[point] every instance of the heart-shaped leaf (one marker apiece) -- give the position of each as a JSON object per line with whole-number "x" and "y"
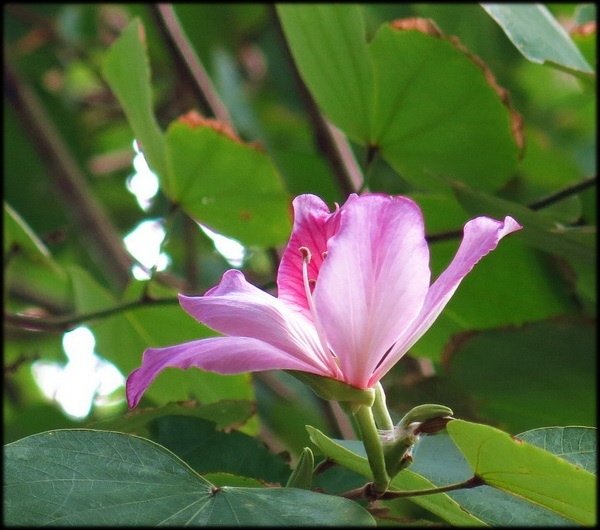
{"x": 85, "y": 478}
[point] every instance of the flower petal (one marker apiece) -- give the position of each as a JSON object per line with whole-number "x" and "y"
{"x": 481, "y": 236}
{"x": 224, "y": 355}
{"x": 238, "y": 308}
{"x": 314, "y": 224}
{"x": 373, "y": 282}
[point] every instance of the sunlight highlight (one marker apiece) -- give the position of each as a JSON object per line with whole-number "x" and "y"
{"x": 85, "y": 380}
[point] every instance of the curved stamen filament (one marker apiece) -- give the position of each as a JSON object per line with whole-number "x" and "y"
{"x": 329, "y": 358}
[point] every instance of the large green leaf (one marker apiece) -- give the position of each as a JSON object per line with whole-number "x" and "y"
{"x": 550, "y": 366}
{"x": 526, "y": 471}
{"x": 230, "y": 186}
{"x": 430, "y": 107}
{"x": 437, "y": 459}
{"x": 127, "y": 71}
{"x": 538, "y": 35}
{"x": 83, "y": 477}
{"x": 435, "y": 116}
{"x": 340, "y": 80}
{"x": 440, "y": 504}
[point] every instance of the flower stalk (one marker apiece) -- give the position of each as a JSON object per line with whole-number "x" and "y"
{"x": 374, "y": 449}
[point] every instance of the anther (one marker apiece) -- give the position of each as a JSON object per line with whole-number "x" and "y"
{"x": 306, "y": 255}
{"x": 324, "y": 254}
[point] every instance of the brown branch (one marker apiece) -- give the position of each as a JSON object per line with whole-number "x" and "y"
{"x": 330, "y": 141}
{"x": 558, "y": 196}
{"x": 367, "y": 491}
{"x": 574, "y": 189}
{"x": 101, "y": 237}
{"x": 177, "y": 38}
{"x": 65, "y": 323}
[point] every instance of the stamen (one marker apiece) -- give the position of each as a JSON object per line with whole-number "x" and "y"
{"x": 306, "y": 255}
{"x": 324, "y": 254}
{"x": 329, "y": 358}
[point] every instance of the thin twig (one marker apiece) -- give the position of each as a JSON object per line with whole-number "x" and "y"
{"x": 64, "y": 323}
{"x": 195, "y": 68}
{"x": 564, "y": 193}
{"x": 558, "y": 196}
{"x": 101, "y": 237}
{"x": 367, "y": 492}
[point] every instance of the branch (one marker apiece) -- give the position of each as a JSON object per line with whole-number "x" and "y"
{"x": 558, "y": 196}
{"x": 330, "y": 141}
{"x": 193, "y": 66}
{"x": 101, "y": 237}
{"x": 564, "y": 193}
{"x": 367, "y": 491}
{"x": 68, "y": 322}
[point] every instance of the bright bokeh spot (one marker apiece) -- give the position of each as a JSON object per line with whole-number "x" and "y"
{"x": 143, "y": 243}
{"x": 83, "y": 381}
{"x": 144, "y": 182}
{"x": 230, "y": 249}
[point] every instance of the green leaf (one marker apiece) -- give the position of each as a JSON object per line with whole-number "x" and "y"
{"x": 437, "y": 459}
{"x": 194, "y": 440}
{"x": 387, "y": 94}
{"x": 18, "y": 235}
{"x": 540, "y": 231}
{"x": 127, "y": 71}
{"x": 578, "y": 445}
{"x": 226, "y": 414}
{"x": 526, "y": 471}
{"x": 538, "y": 36}
{"x": 340, "y": 80}
{"x": 84, "y": 477}
{"x": 29, "y": 267}
{"x": 564, "y": 351}
{"x": 431, "y": 135}
{"x": 232, "y": 187}
{"x": 440, "y": 504}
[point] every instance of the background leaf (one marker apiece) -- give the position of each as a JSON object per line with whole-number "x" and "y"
{"x": 427, "y": 135}
{"x": 538, "y": 36}
{"x": 127, "y": 71}
{"x": 232, "y": 187}
{"x": 578, "y": 445}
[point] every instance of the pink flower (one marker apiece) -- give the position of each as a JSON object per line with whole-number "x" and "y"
{"x": 354, "y": 296}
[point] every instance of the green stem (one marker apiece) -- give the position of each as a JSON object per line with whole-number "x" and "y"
{"x": 373, "y": 447}
{"x": 380, "y": 410}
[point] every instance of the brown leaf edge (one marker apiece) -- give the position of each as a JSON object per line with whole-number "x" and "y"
{"x": 194, "y": 119}
{"x": 429, "y": 27}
